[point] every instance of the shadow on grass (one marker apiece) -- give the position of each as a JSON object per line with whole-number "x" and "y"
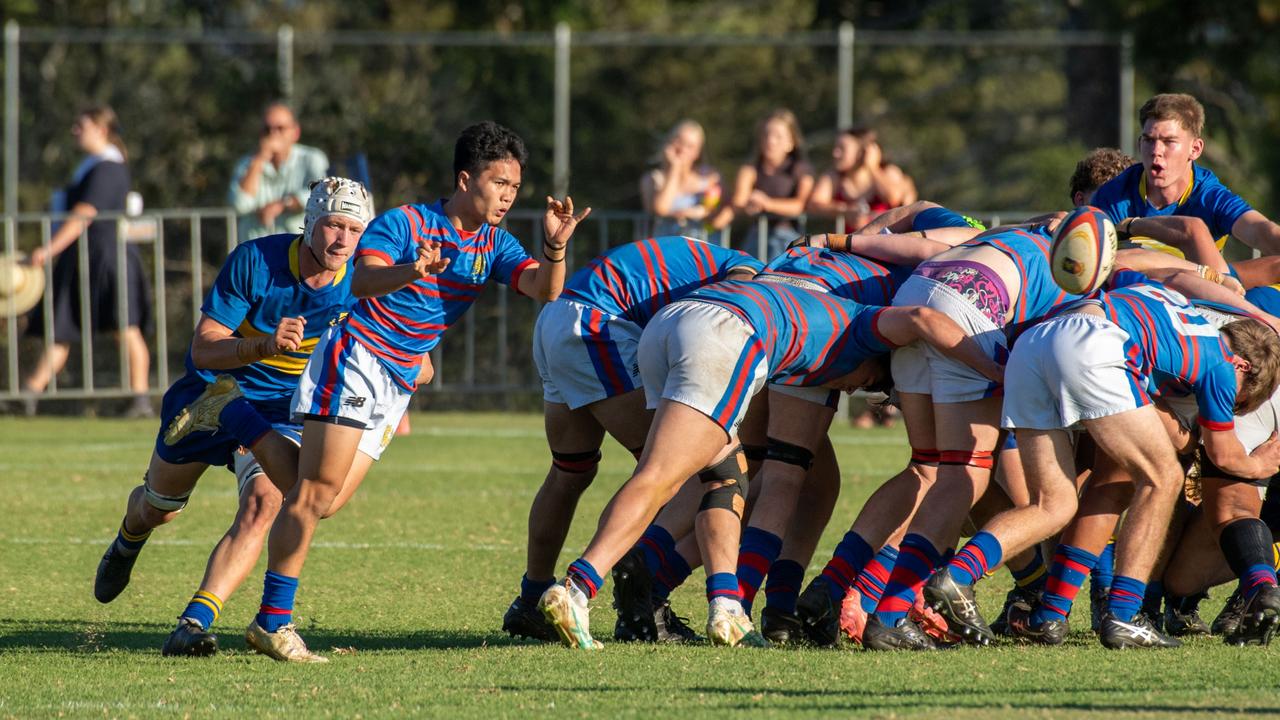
{"x": 83, "y": 636}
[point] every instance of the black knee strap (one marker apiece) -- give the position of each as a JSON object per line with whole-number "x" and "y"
{"x": 731, "y": 494}
{"x": 576, "y": 463}
{"x": 755, "y": 453}
{"x": 785, "y": 452}
{"x": 1246, "y": 543}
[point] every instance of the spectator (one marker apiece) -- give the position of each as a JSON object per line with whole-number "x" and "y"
{"x": 99, "y": 185}
{"x": 683, "y": 190}
{"x": 269, "y": 188}
{"x": 861, "y": 184}
{"x": 775, "y": 184}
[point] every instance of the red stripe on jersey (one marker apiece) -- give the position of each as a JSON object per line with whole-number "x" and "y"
{"x": 1212, "y": 425}
{"x": 368, "y": 252}
{"x": 515, "y": 274}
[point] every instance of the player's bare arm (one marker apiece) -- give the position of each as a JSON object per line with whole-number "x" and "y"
{"x": 1255, "y": 230}
{"x": 908, "y": 249}
{"x": 1188, "y": 234}
{"x": 546, "y": 280}
{"x": 374, "y": 276}
{"x": 1225, "y": 450}
{"x": 215, "y": 347}
{"x": 905, "y": 325}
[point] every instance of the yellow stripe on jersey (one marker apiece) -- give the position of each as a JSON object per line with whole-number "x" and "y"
{"x": 295, "y": 263}
{"x": 1158, "y": 246}
{"x": 293, "y": 362}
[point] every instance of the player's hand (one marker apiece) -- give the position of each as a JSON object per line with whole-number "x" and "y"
{"x": 1269, "y": 452}
{"x": 288, "y": 335}
{"x": 559, "y": 221}
{"x": 38, "y": 257}
{"x": 429, "y": 261}
{"x": 1232, "y": 284}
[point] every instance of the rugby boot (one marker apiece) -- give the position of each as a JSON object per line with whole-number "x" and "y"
{"x": 780, "y": 627}
{"x": 1228, "y": 621}
{"x": 523, "y": 619}
{"x": 285, "y": 644}
{"x": 1097, "y": 606}
{"x": 671, "y": 628}
{"x": 201, "y": 415}
{"x": 853, "y": 619}
{"x": 1182, "y": 616}
{"x": 729, "y": 626}
{"x": 113, "y": 573}
{"x": 958, "y": 606}
{"x": 818, "y": 615}
{"x": 190, "y": 639}
{"x": 1049, "y": 632}
{"x": 1139, "y": 632}
{"x": 904, "y": 636}
{"x": 1258, "y": 619}
{"x": 1019, "y": 598}
{"x": 633, "y": 599}
{"x": 931, "y": 622}
{"x": 565, "y": 607}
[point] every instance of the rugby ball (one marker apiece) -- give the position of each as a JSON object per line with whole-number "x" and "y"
{"x": 1084, "y": 250}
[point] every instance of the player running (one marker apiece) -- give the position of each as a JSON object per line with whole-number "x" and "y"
{"x": 418, "y": 269}
{"x": 585, "y": 345}
{"x": 701, "y": 360}
{"x": 269, "y": 305}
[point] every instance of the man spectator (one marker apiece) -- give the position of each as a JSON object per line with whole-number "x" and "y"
{"x": 269, "y": 188}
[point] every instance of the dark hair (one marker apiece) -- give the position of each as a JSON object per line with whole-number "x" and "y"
{"x": 1099, "y": 166}
{"x": 486, "y": 142}
{"x": 105, "y": 117}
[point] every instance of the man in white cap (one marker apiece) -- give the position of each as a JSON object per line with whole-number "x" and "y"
{"x": 267, "y": 308}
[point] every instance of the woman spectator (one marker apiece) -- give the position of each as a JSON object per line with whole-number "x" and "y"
{"x": 775, "y": 184}
{"x": 861, "y": 184}
{"x": 99, "y": 184}
{"x": 683, "y": 190}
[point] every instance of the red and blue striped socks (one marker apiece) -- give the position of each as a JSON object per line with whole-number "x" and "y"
{"x": 782, "y": 589}
{"x": 851, "y": 556}
{"x": 723, "y": 585}
{"x": 755, "y": 556}
{"x": 1070, "y": 567}
{"x": 875, "y": 576}
{"x": 668, "y": 568}
{"x": 917, "y": 557}
{"x": 1125, "y": 599}
{"x": 978, "y": 556}
{"x": 584, "y": 575}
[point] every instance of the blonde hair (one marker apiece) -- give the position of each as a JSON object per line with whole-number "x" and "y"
{"x": 679, "y": 128}
{"x": 104, "y": 117}
{"x": 1257, "y": 344}
{"x": 1174, "y": 106}
{"x": 788, "y": 118}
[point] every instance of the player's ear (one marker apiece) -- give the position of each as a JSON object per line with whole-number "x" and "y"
{"x": 1197, "y": 147}
{"x": 1241, "y": 364}
{"x": 464, "y": 181}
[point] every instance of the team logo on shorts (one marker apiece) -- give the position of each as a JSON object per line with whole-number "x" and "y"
{"x": 354, "y": 401}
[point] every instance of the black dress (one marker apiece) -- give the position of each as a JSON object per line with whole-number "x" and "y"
{"x": 104, "y": 187}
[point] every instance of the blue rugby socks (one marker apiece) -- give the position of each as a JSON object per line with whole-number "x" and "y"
{"x": 979, "y": 555}
{"x": 873, "y": 578}
{"x": 276, "y": 610}
{"x": 917, "y": 557}
{"x": 531, "y": 590}
{"x": 584, "y": 575}
{"x": 758, "y": 551}
{"x": 851, "y": 556}
{"x": 1125, "y": 599}
{"x": 204, "y": 608}
{"x": 1070, "y": 567}
{"x": 782, "y": 589}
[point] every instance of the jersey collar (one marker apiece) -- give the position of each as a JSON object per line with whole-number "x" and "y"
{"x": 1142, "y": 187}
{"x": 295, "y": 263}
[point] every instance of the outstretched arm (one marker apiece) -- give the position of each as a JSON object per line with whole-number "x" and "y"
{"x": 905, "y": 325}
{"x": 374, "y": 276}
{"x": 546, "y": 279}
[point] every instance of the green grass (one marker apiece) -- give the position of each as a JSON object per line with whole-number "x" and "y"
{"x": 410, "y": 581}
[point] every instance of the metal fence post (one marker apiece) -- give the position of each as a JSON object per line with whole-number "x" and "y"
{"x": 844, "y": 62}
{"x": 11, "y": 39}
{"x": 1127, "y": 111}
{"x": 284, "y": 60}
{"x": 560, "y": 154}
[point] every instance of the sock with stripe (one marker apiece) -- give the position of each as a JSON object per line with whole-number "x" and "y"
{"x": 1247, "y": 547}
{"x": 130, "y": 543}
{"x": 243, "y": 422}
{"x": 723, "y": 585}
{"x": 782, "y": 588}
{"x": 875, "y": 576}
{"x": 758, "y": 551}
{"x": 1070, "y": 566}
{"x": 980, "y": 554}
{"x": 584, "y": 575}
{"x": 276, "y": 610}
{"x": 204, "y": 608}
{"x": 917, "y": 557}
{"x": 672, "y": 575}
{"x": 1031, "y": 577}
{"x": 1105, "y": 569}
{"x": 1125, "y": 599}
{"x": 531, "y": 590}
{"x": 851, "y": 556}
{"x": 658, "y": 547}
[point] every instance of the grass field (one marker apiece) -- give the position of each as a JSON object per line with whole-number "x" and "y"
{"x": 406, "y": 587}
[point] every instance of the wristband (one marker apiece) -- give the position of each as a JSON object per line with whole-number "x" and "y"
{"x": 1124, "y": 229}
{"x": 1210, "y": 274}
{"x": 552, "y": 261}
{"x": 838, "y": 243}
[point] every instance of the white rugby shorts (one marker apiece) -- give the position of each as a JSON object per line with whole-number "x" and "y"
{"x": 584, "y": 355}
{"x": 920, "y": 368}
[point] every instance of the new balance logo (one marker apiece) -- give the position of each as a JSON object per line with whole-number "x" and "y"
{"x": 354, "y": 401}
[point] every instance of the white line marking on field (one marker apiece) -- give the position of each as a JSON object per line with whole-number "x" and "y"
{"x": 327, "y": 544}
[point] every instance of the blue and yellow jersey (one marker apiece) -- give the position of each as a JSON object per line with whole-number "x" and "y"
{"x": 635, "y": 280}
{"x": 1206, "y": 198}
{"x": 846, "y": 275}
{"x": 402, "y": 326}
{"x": 259, "y": 285}
{"x": 809, "y": 337}
{"x": 1040, "y": 295}
{"x": 1172, "y": 348}
{"x": 1266, "y": 297}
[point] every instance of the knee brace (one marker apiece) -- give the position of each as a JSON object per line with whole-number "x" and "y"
{"x": 972, "y": 458}
{"x": 163, "y": 503}
{"x": 731, "y": 494}
{"x": 755, "y": 453}
{"x": 576, "y": 463}
{"x": 785, "y": 452}
{"x": 925, "y": 456}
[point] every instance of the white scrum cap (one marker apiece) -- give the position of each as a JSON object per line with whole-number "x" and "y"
{"x": 337, "y": 196}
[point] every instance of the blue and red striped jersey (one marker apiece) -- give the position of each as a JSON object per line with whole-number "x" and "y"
{"x": 1172, "y": 347}
{"x": 635, "y": 280}
{"x": 1040, "y": 295}
{"x": 811, "y": 337}
{"x": 849, "y": 276}
{"x": 401, "y": 326}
